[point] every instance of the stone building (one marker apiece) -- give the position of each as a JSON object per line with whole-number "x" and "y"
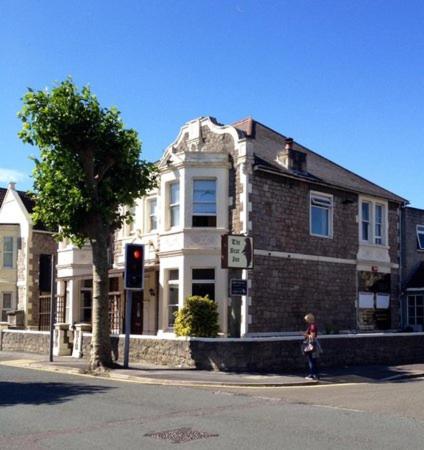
{"x": 325, "y": 239}
{"x": 412, "y": 228}
{"x": 25, "y": 270}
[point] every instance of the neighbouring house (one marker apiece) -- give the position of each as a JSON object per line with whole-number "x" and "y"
{"x": 25, "y": 266}
{"x": 325, "y": 239}
{"x": 412, "y": 229}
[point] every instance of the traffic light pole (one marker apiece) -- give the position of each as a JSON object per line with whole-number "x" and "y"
{"x": 128, "y": 310}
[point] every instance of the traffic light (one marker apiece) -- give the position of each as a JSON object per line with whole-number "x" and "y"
{"x": 134, "y": 266}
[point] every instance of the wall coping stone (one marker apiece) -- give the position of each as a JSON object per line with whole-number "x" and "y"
{"x": 266, "y": 339}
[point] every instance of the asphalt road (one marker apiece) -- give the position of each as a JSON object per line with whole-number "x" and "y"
{"x": 42, "y": 410}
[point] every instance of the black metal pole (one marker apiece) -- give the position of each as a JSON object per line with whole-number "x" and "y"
{"x": 128, "y": 310}
{"x": 52, "y": 307}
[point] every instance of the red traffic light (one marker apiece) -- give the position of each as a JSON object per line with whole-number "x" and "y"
{"x": 137, "y": 254}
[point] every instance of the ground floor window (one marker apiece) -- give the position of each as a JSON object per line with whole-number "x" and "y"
{"x": 203, "y": 283}
{"x": 6, "y": 305}
{"x": 173, "y": 287}
{"x": 416, "y": 309}
{"x": 86, "y": 300}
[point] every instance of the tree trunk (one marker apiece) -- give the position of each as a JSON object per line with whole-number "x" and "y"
{"x": 100, "y": 341}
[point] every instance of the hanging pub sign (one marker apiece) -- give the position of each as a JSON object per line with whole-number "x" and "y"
{"x": 236, "y": 252}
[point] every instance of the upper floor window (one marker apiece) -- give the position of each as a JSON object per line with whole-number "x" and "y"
{"x": 152, "y": 214}
{"x": 373, "y": 222}
{"x": 420, "y": 236}
{"x": 174, "y": 204}
{"x": 204, "y": 203}
{"x": 131, "y": 225}
{"x": 8, "y": 251}
{"x": 321, "y": 214}
{"x": 365, "y": 221}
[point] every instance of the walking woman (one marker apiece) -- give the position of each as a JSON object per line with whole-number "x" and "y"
{"x": 311, "y": 349}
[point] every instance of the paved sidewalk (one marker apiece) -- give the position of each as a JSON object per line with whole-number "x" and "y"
{"x": 153, "y": 374}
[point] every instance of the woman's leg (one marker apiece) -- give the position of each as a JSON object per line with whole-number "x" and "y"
{"x": 312, "y": 365}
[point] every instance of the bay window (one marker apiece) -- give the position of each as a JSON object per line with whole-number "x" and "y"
{"x": 204, "y": 203}
{"x": 174, "y": 204}
{"x": 373, "y": 222}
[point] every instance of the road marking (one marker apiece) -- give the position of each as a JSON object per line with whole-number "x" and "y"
{"x": 32, "y": 365}
{"x": 16, "y": 362}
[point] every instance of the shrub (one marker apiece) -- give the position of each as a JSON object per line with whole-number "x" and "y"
{"x": 198, "y": 318}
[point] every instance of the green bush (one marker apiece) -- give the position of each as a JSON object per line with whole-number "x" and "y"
{"x": 198, "y": 318}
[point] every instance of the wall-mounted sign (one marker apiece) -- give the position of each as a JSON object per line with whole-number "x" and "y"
{"x": 238, "y": 287}
{"x": 236, "y": 252}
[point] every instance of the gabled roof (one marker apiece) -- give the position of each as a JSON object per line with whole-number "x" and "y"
{"x": 417, "y": 279}
{"x": 319, "y": 169}
{"x": 28, "y": 202}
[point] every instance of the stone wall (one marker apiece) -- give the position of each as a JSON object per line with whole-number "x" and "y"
{"x": 285, "y": 289}
{"x": 411, "y": 255}
{"x": 42, "y": 244}
{"x": 274, "y": 354}
{"x": 24, "y": 341}
{"x": 270, "y": 354}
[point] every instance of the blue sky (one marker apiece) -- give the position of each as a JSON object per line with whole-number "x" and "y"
{"x": 343, "y": 77}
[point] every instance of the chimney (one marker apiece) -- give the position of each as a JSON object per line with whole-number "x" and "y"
{"x": 12, "y": 186}
{"x": 292, "y": 159}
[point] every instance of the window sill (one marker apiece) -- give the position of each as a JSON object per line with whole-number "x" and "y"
{"x": 321, "y": 236}
{"x": 369, "y": 244}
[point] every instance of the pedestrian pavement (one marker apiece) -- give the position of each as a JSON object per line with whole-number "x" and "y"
{"x": 153, "y": 374}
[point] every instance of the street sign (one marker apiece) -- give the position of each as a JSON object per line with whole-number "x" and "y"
{"x": 236, "y": 252}
{"x": 238, "y": 287}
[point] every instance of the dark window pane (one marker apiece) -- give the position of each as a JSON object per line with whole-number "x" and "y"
{"x": 204, "y": 221}
{"x": 203, "y": 274}
{"x": 204, "y": 289}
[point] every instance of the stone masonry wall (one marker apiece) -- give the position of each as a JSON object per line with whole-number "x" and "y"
{"x": 269, "y": 354}
{"x": 42, "y": 243}
{"x": 254, "y": 355}
{"x": 412, "y": 256}
{"x": 284, "y": 289}
{"x": 25, "y": 341}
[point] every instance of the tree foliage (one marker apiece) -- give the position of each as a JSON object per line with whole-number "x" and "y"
{"x": 198, "y": 318}
{"x": 89, "y": 163}
{"x": 88, "y": 168}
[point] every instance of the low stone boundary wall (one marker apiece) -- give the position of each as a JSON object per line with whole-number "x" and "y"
{"x": 24, "y": 341}
{"x": 272, "y": 354}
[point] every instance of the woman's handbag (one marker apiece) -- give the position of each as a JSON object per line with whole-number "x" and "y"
{"x": 307, "y": 346}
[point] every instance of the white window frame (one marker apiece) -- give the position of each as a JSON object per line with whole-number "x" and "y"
{"x": 420, "y": 231}
{"x": 204, "y": 214}
{"x": 81, "y": 305}
{"x": 410, "y": 297}
{"x": 374, "y": 238}
{"x": 3, "y": 307}
{"x": 175, "y": 205}
{"x": 150, "y": 214}
{"x": 9, "y": 252}
{"x": 323, "y": 197}
{"x": 364, "y": 221}
{"x": 131, "y": 226}
{"x": 171, "y": 306}
{"x": 204, "y": 281}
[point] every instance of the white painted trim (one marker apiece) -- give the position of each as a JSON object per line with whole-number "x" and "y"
{"x": 415, "y": 289}
{"x": 301, "y": 256}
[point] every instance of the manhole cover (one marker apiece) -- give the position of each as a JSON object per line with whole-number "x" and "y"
{"x": 180, "y": 435}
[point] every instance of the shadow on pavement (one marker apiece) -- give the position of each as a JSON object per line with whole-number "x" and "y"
{"x": 12, "y": 393}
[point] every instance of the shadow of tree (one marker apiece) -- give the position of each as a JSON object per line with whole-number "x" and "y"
{"x": 12, "y": 393}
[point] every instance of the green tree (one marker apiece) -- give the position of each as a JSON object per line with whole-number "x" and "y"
{"x": 89, "y": 166}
